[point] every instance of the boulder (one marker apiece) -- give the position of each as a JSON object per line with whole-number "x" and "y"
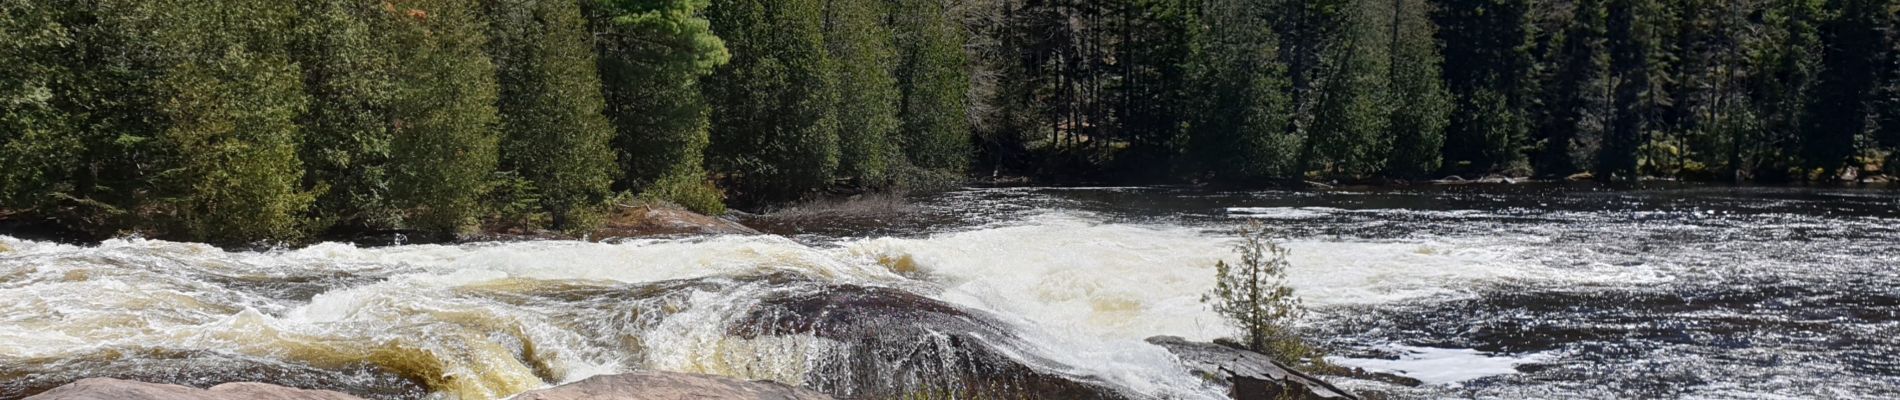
{"x": 670, "y": 386}
{"x": 114, "y": 389}
{"x": 1250, "y": 375}
{"x": 662, "y": 220}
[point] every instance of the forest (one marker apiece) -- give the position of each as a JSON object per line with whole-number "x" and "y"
{"x": 235, "y": 121}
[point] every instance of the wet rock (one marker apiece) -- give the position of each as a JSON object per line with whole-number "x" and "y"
{"x": 663, "y": 220}
{"x": 114, "y": 389}
{"x": 892, "y": 344}
{"x": 1250, "y": 375}
{"x": 670, "y": 386}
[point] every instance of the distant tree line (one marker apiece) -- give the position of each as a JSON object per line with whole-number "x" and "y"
{"x": 1276, "y": 90}
{"x": 241, "y": 120}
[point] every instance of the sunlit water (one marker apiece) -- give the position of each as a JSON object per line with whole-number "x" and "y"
{"x": 1513, "y": 292}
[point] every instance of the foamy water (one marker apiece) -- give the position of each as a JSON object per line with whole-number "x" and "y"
{"x": 1081, "y": 288}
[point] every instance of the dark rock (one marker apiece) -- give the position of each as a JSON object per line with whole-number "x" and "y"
{"x": 670, "y": 386}
{"x": 901, "y": 345}
{"x": 114, "y": 389}
{"x": 1252, "y": 376}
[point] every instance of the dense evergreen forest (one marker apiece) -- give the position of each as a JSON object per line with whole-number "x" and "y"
{"x": 240, "y": 120}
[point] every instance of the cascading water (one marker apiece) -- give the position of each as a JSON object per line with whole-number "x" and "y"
{"x": 1643, "y": 295}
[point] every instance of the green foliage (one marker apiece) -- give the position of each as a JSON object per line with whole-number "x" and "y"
{"x": 689, "y": 189}
{"x": 652, "y": 54}
{"x": 37, "y": 148}
{"x": 1489, "y": 69}
{"x": 554, "y": 134}
{"x": 1240, "y": 132}
{"x": 1856, "y": 54}
{"x": 224, "y": 164}
{"x": 1253, "y": 296}
{"x": 1421, "y": 105}
{"x": 347, "y": 132}
{"x": 859, "y": 44}
{"x": 443, "y": 115}
{"x": 1348, "y": 136}
{"x": 933, "y": 82}
{"x": 1576, "y": 98}
{"x": 774, "y": 132}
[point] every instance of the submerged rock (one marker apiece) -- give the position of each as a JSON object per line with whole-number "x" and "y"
{"x": 1250, "y": 375}
{"x": 670, "y": 386}
{"x": 114, "y": 389}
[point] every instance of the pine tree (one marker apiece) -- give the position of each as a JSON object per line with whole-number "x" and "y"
{"x": 1240, "y": 132}
{"x": 1421, "y": 106}
{"x": 1576, "y": 99}
{"x": 346, "y": 131}
{"x": 554, "y": 135}
{"x": 1489, "y": 70}
{"x": 774, "y": 133}
{"x": 39, "y": 152}
{"x": 933, "y": 84}
{"x": 859, "y": 45}
{"x": 227, "y": 169}
{"x": 1631, "y": 45}
{"x": 443, "y": 116}
{"x": 1787, "y": 65}
{"x": 1348, "y": 135}
{"x": 652, "y": 54}
{"x": 1854, "y": 53}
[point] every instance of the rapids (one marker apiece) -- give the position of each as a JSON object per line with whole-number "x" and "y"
{"x": 1512, "y": 292}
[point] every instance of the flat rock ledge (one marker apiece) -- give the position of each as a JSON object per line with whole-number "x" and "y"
{"x": 670, "y": 386}
{"x": 629, "y": 386}
{"x": 115, "y": 389}
{"x": 1249, "y": 375}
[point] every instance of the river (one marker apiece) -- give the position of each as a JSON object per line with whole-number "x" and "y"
{"x": 1526, "y": 291}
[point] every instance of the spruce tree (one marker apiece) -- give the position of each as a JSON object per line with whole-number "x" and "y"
{"x": 1786, "y": 67}
{"x": 1853, "y": 56}
{"x": 1576, "y": 98}
{"x": 226, "y": 169}
{"x": 1348, "y": 133}
{"x": 859, "y": 45}
{"x": 1421, "y": 105}
{"x": 443, "y": 116}
{"x": 933, "y": 85}
{"x": 1631, "y": 45}
{"x": 774, "y": 133}
{"x": 1489, "y": 70}
{"x": 553, "y": 133}
{"x": 1239, "y": 132}
{"x": 346, "y": 131}
{"x": 652, "y": 54}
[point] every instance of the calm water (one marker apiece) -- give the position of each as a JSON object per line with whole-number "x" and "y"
{"x": 1492, "y": 292}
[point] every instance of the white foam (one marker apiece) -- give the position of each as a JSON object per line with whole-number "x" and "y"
{"x": 1439, "y": 366}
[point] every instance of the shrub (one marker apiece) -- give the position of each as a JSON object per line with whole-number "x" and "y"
{"x": 1254, "y": 296}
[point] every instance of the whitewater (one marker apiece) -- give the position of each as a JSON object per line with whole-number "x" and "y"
{"x": 1077, "y": 277}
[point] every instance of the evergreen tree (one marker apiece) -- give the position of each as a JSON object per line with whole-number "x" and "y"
{"x": 226, "y": 168}
{"x": 1489, "y": 70}
{"x": 1576, "y": 99}
{"x": 1853, "y": 54}
{"x": 1787, "y": 64}
{"x": 346, "y": 131}
{"x": 1421, "y": 104}
{"x": 773, "y": 130}
{"x": 652, "y": 54}
{"x": 39, "y": 152}
{"x": 859, "y": 44}
{"x": 554, "y": 135}
{"x": 1155, "y": 100}
{"x": 1630, "y": 66}
{"x": 1348, "y": 134}
{"x": 443, "y": 117}
{"x": 933, "y": 83}
{"x": 1239, "y": 133}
